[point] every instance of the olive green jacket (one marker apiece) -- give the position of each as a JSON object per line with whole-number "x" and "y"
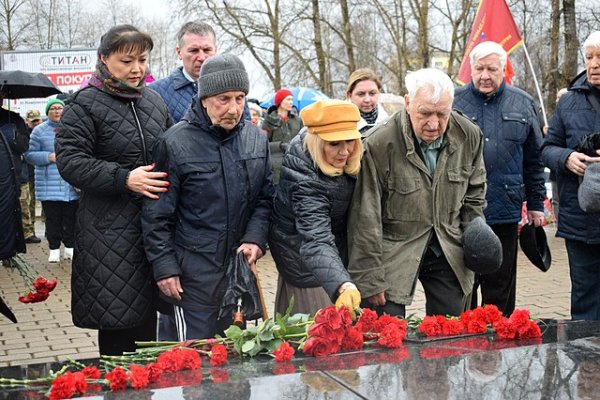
{"x": 397, "y": 203}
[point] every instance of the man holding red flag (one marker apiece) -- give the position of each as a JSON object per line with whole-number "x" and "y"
{"x": 515, "y": 173}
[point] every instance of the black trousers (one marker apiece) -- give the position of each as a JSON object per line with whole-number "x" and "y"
{"x": 500, "y": 288}
{"x": 443, "y": 293}
{"x": 114, "y": 342}
{"x": 60, "y": 222}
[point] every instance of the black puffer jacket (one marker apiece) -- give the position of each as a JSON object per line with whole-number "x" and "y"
{"x": 308, "y": 229}
{"x": 220, "y": 196}
{"x": 99, "y": 141}
{"x": 11, "y": 233}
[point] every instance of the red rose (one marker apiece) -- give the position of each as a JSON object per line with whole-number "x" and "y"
{"x": 330, "y": 316}
{"x": 117, "y": 379}
{"x": 91, "y": 372}
{"x": 504, "y": 329}
{"x": 219, "y": 375}
{"x": 321, "y": 330}
{"x": 319, "y": 346}
{"x": 391, "y": 336}
{"x": 430, "y": 326}
{"x": 284, "y": 118}
{"x": 63, "y": 387}
{"x": 492, "y": 313}
{"x": 285, "y": 352}
{"x": 353, "y": 340}
{"x": 345, "y": 316}
{"x": 218, "y": 355}
{"x": 452, "y": 326}
{"x": 367, "y": 319}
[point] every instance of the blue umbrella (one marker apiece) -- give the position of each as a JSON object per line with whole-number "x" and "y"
{"x": 303, "y": 96}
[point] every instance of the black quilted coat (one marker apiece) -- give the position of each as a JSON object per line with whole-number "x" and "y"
{"x": 308, "y": 229}
{"x": 102, "y": 138}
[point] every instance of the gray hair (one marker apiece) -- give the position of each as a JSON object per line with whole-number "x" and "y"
{"x": 592, "y": 41}
{"x": 432, "y": 79}
{"x": 485, "y": 49}
{"x": 197, "y": 28}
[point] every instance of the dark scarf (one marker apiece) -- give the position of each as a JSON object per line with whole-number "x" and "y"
{"x": 103, "y": 80}
{"x": 370, "y": 117}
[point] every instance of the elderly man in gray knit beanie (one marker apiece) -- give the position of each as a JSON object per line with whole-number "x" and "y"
{"x": 218, "y": 202}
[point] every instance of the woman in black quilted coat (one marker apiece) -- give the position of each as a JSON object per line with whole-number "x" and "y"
{"x": 308, "y": 231}
{"x": 103, "y": 148}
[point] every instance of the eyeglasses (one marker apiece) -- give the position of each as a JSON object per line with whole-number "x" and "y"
{"x": 55, "y": 108}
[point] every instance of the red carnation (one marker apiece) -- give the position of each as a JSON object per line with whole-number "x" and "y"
{"x": 466, "y": 317}
{"x": 44, "y": 284}
{"x": 80, "y": 382}
{"x": 386, "y": 320}
{"x": 519, "y": 319}
{"x": 91, "y": 372}
{"x": 391, "y": 336}
{"x": 477, "y": 325}
{"x": 367, "y": 320}
{"x": 531, "y": 331}
{"x": 285, "y": 352}
{"x": 219, "y": 375}
{"x": 353, "y": 340}
{"x": 139, "y": 376}
{"x": 430, "y": 326}
{"x": 63, "y": 387}
{"x": 504, "y": 329}
{"x": 452, "y": 326}
{"x": 189, "y": 359}
{"x": 330, "y": 316}
{"x": 492, "y": 313}
{"x": 117, "y": 379}
{"x": 282, "y": 368}
{"x": 318, "y": 346}
{"x": 154, "y": 371}
{"x": 218, "y": 355}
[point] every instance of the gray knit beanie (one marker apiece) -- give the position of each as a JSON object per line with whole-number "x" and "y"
{"x": 222, "y": 73}
{"x": 588, "y": 193}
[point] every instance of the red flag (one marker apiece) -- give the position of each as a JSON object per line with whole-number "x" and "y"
{"x": 494, "y": 22}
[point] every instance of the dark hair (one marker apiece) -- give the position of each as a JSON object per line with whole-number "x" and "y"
{"x": 124, "y": 38}
{"x": 197, "y": 28}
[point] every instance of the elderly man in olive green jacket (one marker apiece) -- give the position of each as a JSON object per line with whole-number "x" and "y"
{"x": 422, "y": 181}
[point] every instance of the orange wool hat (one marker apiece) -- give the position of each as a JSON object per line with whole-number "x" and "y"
{"x": 333, "y": 120}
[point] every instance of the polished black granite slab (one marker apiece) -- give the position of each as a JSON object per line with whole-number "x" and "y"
{"x": 563, "y": 364}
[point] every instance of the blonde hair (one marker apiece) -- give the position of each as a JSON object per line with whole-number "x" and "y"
{"x": 314, "y": 145}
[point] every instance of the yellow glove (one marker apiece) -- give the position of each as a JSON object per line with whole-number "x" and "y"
{"x": 350, "y": 297}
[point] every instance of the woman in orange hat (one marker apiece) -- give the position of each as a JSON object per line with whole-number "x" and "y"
{"x": 308, "y": 233}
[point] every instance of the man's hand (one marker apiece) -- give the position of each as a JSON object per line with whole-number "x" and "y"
{"x": 578, "y": 162}
{"x": 252, "y": 253}
{"x": 377, "y": 299}
{"x": 536, "y": 218}
{"x": 170, "y": 287}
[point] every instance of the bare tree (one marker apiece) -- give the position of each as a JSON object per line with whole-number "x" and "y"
{"x": 571, "y": 42}
{"x": 12, "y": 27}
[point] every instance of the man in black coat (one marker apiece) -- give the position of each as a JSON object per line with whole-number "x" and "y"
{"x": 218, "y": 203}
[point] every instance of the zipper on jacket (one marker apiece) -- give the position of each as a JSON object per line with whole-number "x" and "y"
{"x": 141, "y": 133}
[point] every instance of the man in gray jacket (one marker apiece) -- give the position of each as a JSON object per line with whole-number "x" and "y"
{"x": 422, "y": 181}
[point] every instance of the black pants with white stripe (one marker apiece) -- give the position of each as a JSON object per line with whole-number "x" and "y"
{"x": 196, "y": 324}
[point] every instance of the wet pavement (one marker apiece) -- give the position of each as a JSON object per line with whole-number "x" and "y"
{"x": 45, "y": 332}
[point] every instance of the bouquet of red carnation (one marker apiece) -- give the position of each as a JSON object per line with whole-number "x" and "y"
{"x": 41, "y": 287}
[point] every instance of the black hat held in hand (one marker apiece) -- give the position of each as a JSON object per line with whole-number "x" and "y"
{"x": 482, "y": 248}
{"x": 534, "y": 244}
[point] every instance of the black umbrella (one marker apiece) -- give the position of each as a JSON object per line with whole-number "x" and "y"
{"x": 6, "y": 311}
{"x": 24, "y": 85}
{"x": 241, "y": 284}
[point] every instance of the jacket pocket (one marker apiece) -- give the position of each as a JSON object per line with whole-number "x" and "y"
{"x": 514, "y": 127}
{"x": 403, "y": 199}
{"x": 458, "y": 179}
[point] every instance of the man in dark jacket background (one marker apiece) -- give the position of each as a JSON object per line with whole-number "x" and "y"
{"x": 508, "y": 118}
{"x": 218, "y": 203}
